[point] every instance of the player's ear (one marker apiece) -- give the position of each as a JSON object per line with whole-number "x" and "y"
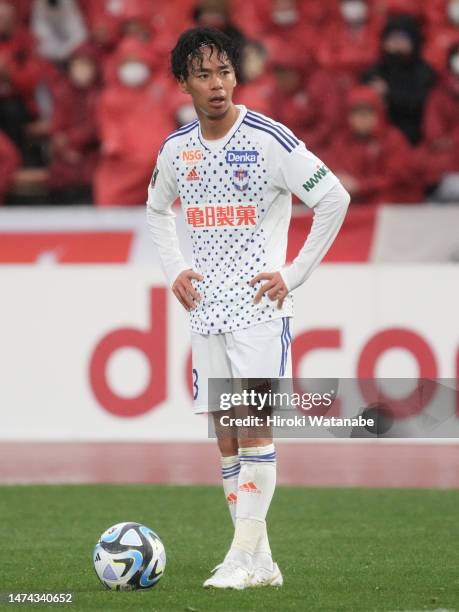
{"x": 183, "y": 86}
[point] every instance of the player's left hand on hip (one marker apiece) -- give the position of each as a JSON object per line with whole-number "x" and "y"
{"x": 274, "y": 287}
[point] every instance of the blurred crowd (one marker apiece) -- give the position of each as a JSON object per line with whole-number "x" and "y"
{"x": 86, "y": 96}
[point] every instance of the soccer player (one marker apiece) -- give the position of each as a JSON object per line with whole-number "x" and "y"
{"x": 235, "y": 171}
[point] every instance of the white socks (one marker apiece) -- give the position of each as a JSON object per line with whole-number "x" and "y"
{"x": 249, "y": 482}
{"x": 230, "y": 474}
{"x": 257, "y": 481}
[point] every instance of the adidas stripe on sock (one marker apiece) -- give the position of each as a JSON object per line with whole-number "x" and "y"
{"x": 230, "y": 474}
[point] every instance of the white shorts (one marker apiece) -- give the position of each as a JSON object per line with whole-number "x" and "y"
{"x": 260, "y": 351}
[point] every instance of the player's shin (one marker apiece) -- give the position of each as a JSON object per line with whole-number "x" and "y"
{"x": 256, "y": 484}
{"x": 230, "y": 474}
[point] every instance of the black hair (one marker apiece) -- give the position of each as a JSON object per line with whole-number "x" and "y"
{"x": 190, "y": 47}
{"x": 407, "y": 24}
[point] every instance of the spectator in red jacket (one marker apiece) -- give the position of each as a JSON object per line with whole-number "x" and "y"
{"x": 442, "y": 31}
{"x": 350, "y": 42}
{"x": 216, "y": 14}
{"x": 23, "y": 10}
{"x": 256, "y": 83}
{"x": 441, "y": 126}
{"x": 97, "y": 10}
{"x": 306, "y": 100}
{"x": 157, "y": 20}
{"x": 287, "y": 24}
{"x": 10, "y": 162}
{"x": 137, "y": 19}
{"x": 166, "y": 19}
{"x": 133, "y": 123}
{"x": 74, "y": 140}
{"x": 404, "y": 7}
{"x": 104, "y": 36}
{"x": 371, "y": 158}
{"x": 20, "y": 73}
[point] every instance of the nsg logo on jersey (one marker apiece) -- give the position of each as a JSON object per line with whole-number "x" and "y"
{"x": 241, "y": 157}
{"x": 191, "y": 156}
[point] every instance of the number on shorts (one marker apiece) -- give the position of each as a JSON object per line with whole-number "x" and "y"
{"x": 195, "y": 384}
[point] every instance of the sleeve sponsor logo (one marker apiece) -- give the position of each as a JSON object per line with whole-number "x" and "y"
{"x": 315, "y": 179}
{"x": 241, "y": 157}
{"x": 154, "y": 176}
{"x": 191, "y": 156}
{"x": 231, "y": 215}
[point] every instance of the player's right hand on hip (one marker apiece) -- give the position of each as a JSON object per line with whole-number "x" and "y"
{"x": 184, "y": 291}
{"x": 275, "y": 287}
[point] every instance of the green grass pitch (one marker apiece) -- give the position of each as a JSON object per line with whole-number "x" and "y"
{"x": 339, "y": 549}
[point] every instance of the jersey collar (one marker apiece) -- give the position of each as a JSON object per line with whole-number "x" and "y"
{"x": 221, "y": 143}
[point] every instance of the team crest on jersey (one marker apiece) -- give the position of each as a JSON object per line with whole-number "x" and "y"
{"x": 193, "y": 175}
{"x": 191, "y": 156}
{"x": 241, "y": 179}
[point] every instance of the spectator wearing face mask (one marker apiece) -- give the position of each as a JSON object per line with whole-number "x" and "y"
{"x": 74, "y": 142}
{"x": 402, "y": 76}
{"x": 10, "y": 162}
{"x": 442, "y": 31}
{"x": 133, "y": 119}
{"x": 59, "y": 28}
{"x": 306, "y": 100}
{"x": 370, "y": 157}
{"x": 256, "y": 84}
{"x": 350, "y": 43}
{"x": 441, "y": 129}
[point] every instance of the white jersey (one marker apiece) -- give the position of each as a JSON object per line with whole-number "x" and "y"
{"x": 236, "y": 199}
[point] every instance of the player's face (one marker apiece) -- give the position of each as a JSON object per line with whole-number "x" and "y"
{"x": 210, "y": 83}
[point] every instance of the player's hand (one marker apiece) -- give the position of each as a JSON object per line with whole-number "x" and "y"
{"x": 275, "y": 287}
{"x": 184, "y": 291}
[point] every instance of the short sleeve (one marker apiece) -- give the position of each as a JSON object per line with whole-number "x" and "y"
{"x": 162, "y": 190}
{"x": 302, "y": 173}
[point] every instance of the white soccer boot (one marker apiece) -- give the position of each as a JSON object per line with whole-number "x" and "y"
{"x": 228, "y": 575}
{"x": 262, "y": 576}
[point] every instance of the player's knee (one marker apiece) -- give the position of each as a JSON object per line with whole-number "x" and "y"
{"x": 228, "y": 446}
{"x": 247, "y": 442}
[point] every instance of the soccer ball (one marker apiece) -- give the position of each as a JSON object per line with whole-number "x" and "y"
{"x": 129, "y": 556}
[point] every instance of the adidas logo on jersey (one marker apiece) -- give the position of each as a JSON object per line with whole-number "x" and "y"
{"x": 249, "y": 487}
{"x": 193, "y": 175}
